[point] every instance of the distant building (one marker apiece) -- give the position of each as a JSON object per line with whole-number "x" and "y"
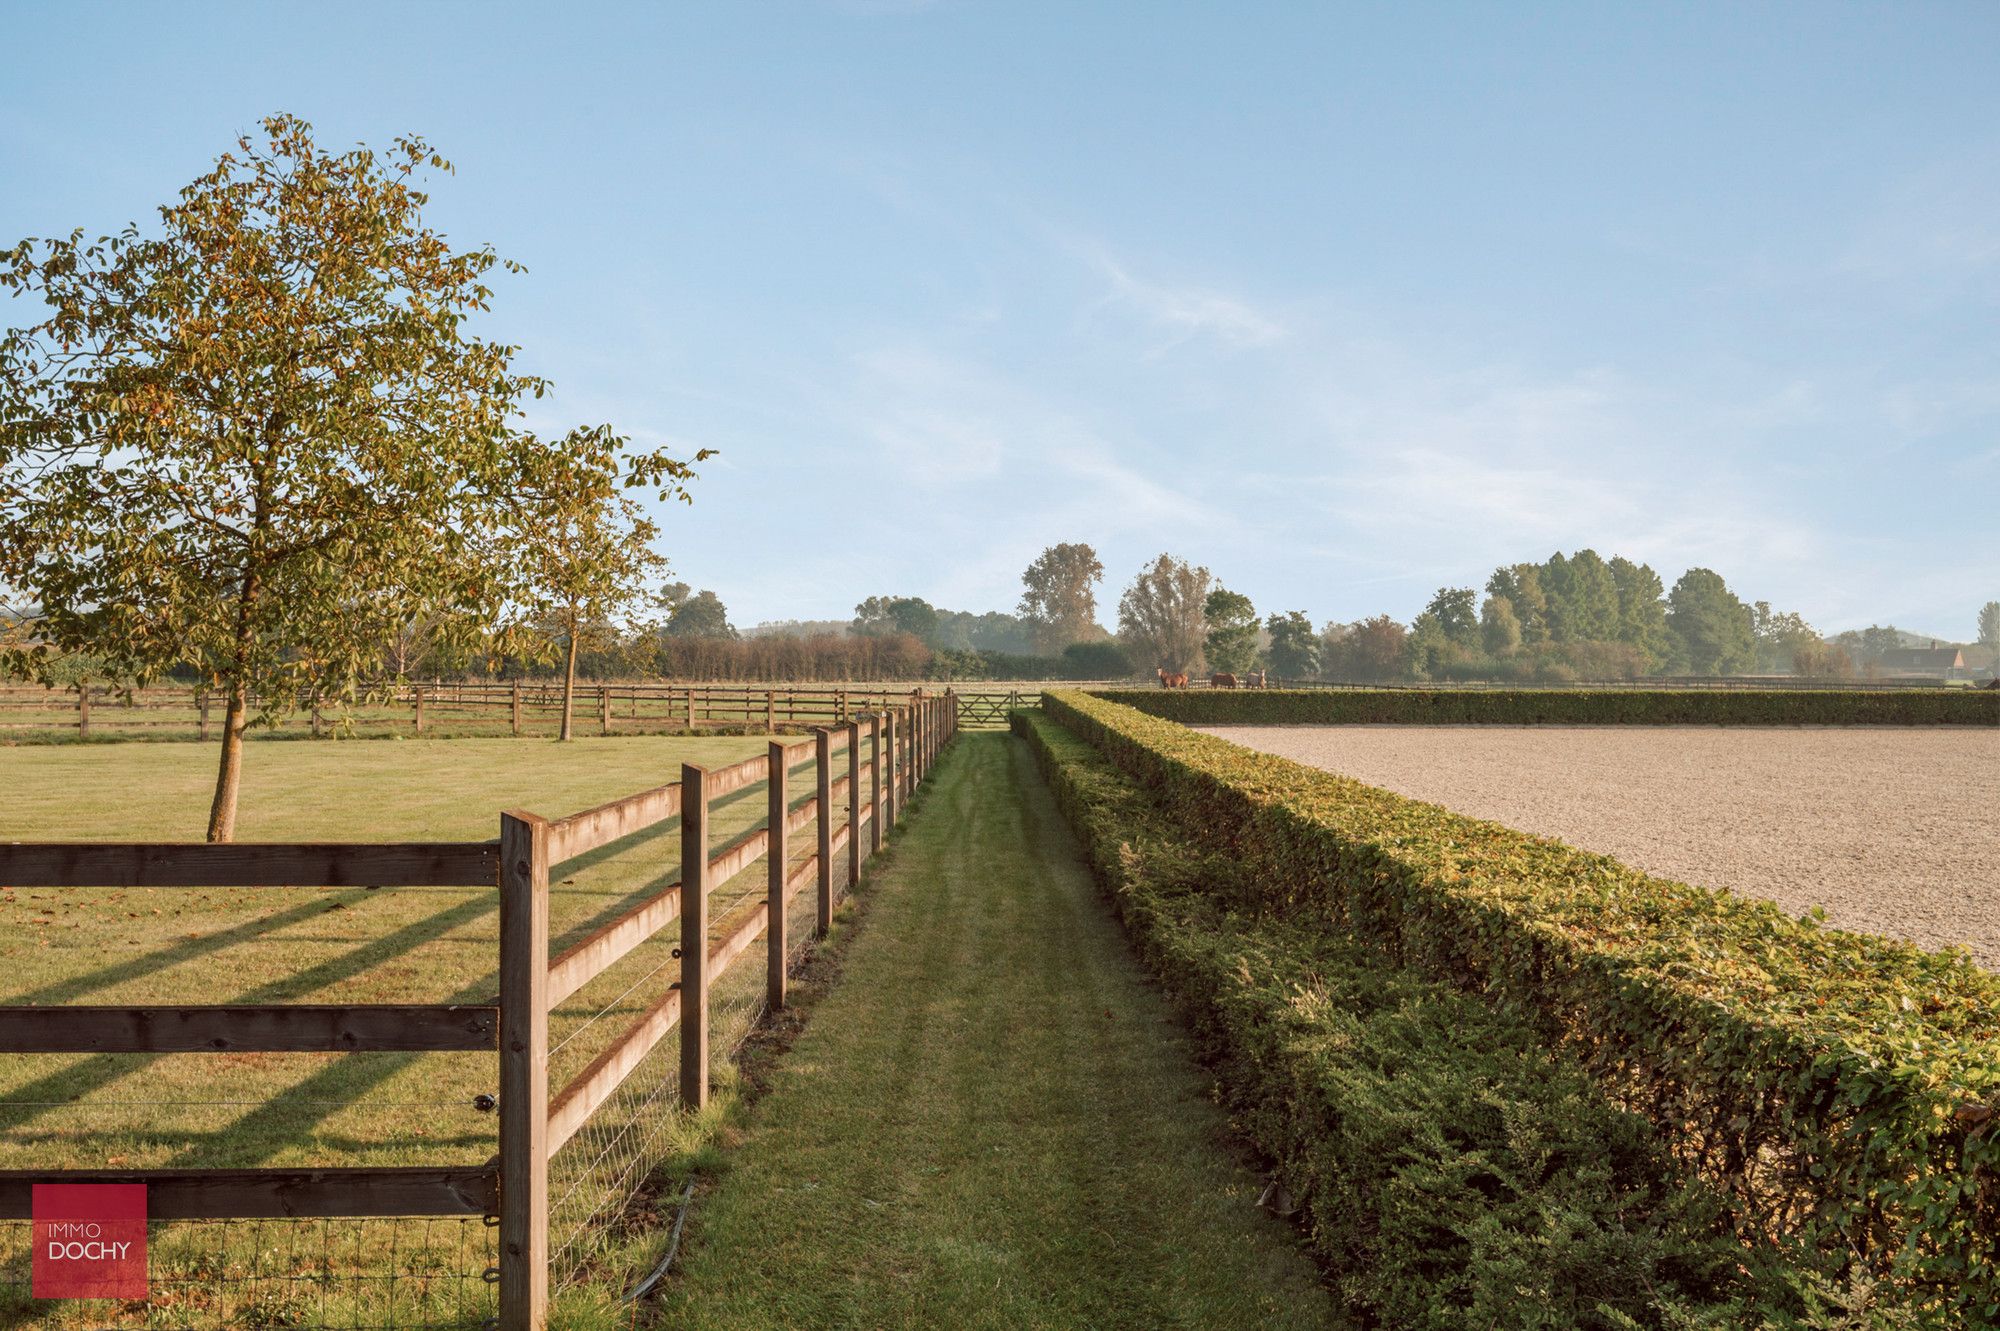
{"x": 1932, "y": 662}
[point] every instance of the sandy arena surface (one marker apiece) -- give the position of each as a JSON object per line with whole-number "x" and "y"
{"x": 1892, "y": 831}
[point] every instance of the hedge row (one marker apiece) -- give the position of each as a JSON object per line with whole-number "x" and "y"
{"x": 1448, "y": 1169}
{"x": 1577, "y": 707}
{"x": 1839, "y": 1089}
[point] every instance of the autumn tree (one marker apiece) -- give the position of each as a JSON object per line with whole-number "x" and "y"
{"x": 1059, "y": 599}
{"x": 1521, "y": 585}
{"x": 1160, "y": 615}
{"x": 1782, "y": 638}
{"x": 1231, "y": 641}
{"x": 251, "y": 439}
{"x": 1368, "y": 649}
{"x": 584, "y": 552}
{"x": 1499, "y": 628}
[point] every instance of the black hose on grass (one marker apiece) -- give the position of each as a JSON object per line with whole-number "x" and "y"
{"x": 673, "y": 1246}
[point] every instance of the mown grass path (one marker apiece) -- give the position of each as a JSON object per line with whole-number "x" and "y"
{"x": 992, "y": 1120}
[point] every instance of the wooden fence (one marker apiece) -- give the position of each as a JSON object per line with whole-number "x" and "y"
{"x": 506, "y": 707}
{"x": 905, "y": 741}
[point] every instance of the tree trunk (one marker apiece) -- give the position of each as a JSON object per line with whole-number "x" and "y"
{"x": 229, "y": 772}
{"x": 569, "y": 684}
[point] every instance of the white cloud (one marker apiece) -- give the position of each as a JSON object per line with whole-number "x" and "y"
{"x": 1178, "y": 314}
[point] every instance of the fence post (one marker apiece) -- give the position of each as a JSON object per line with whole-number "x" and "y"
{"x": 770, "y": 711}
{"x": 603, "y": 709}
{"x": 201, "y": 710}
{"x": 517, "y": 707}
{"x": 778, "y": 808}
{"x": 823, "y": 754}
{"x": 83, "y": 709}
{"x": 906, "y": 734}
{"x": 853, "y": 805}
{"x": 890, "y": 776}
{"x": 694, "y": 936}
{"x": 690, "y": 709}
{"x": 524, "y": 1072}
{"x": 874, "y": 783}
{"x": 418, "y": 692}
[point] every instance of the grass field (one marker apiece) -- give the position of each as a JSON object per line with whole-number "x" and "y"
{"x": 992, "y": 1121}
{"x": 276, "y": 944}
{"x": 279, "y": 944}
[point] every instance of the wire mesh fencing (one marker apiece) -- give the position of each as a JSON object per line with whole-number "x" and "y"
{"x": 410, "y": 1274}
{"x": 608, "y": 1202}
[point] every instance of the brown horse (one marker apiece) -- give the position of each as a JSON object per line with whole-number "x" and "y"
{"x": 1172, "y": 681}
{"x": 1221, "y": 680}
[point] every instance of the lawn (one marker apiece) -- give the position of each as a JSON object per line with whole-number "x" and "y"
{"x": 992, "y": 1121}
{"x": 278, "y": 944}
{"x": 275, "y": 944}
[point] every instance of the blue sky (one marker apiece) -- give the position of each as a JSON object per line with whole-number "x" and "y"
{"x": 1343, "y": 302}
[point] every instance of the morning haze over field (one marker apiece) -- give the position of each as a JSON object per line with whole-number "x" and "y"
{"x": 975, "y": 666}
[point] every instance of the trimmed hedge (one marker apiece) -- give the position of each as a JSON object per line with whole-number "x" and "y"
{"x": 1573, "y": 707}
{"x": 1839, "y": 1089}
{"x": 1449, "y": 1169}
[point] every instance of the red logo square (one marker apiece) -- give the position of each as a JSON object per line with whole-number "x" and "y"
{"x": 90, "y": 1241}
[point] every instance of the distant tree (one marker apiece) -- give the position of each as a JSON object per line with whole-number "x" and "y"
{"x": 19, "y": 617}
{"x": 798, "y": 628}
{"x": 1427, "y": 649}
{"x": 1642, "y": 609}
{"x": 1582, "y": 598}
{"x": 1711, "y": 626}
{"x": 1059, "y": 600}
{"x": 417, "y": 640}
{"x": 998, "y": 631}
{"x": 1160, "y": 615}
{"x": 1457, "y": 615}
{"x": 1868, "y": 645}
{"x": 1782, "y": 637}
{"x": 584, "y": 551}
{"x": 1989, "y": 625}
{"x": 1521, "y": 586}
{"x": 253, "y": 442}
{"x": 1102, "y": 659}
{"x": 1822, "y": 660}
{"x": 1231, "y": 642}
{"x": 1499, "y": 630}
{"x": 1370, "y": 649}
{"x": 1295, "y": 648}
{"x": 883, "y": 616}
{"x": 700, "y": 616}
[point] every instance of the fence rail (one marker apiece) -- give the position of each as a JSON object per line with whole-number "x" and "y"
{"x": 507, "y": 707}
{"x": 902, "y": 742}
